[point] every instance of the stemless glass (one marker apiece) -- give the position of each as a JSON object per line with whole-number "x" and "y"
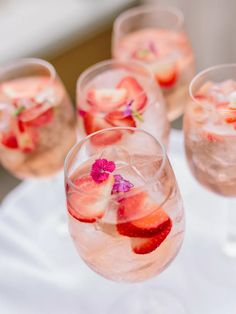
{"x": 155, "y": 36}
{"x": 125, "y": 211}
{"x": 120, "y": 93}
{"x": 37, "y": 124}
{"x": 210, "y": 144}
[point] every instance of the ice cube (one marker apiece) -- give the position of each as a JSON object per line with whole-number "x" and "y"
{"x": 118, "y": 154}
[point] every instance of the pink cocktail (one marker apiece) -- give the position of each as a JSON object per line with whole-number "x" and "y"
{"x": 37, "y": 125}
{"x": 210, "y": 144}
{"x": 155, "y": 36}
{"x": 125, "y": 211}
{"x": 113, "y": 94}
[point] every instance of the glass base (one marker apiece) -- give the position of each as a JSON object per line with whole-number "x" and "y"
{"x": 148, "y": 300}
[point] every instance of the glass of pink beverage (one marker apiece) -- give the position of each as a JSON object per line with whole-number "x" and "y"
{"x": 37, "y": 125}
{"x": 125, "y": 211}
{"x": 120, "y": 93}
{"x": 210, "y": 141}
{"x": 156, "y": 36}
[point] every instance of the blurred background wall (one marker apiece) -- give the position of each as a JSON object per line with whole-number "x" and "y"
{"x": 74, "y": 34}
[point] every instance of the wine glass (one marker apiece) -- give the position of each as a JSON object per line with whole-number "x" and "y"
{"x": 120, "y": 93}
{"x": 210, "y": 145}
{"x": 156, "y": 36}
{"x": 37, "y": 124}
{"x": 125, "y": 211}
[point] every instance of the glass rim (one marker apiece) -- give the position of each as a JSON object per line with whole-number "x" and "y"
{"x": 148, "y": 8}
{"x": 121, "y": 63}
{"x": 14, "y": 64}
{"x": 86, "y": 138}
{"x": 203, "y": 72}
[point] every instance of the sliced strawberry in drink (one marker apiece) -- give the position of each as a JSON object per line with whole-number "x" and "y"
{"x": 117, "y": 118}
{"x": 139, "y": 216}
{"x": 37, "y": 116}
{"x": 26, "y": 137}
{"x": 9, "y": 140}
{"x": 94, "y": 123}
{"x": 106, "y": 99}
{"x": 230, "y": 116}
{"x": 91, "y": 200}
{"x": 148, "y": 245}
{"x": 166, "y": 74}
{"x": 27, "y": 87}
{"x": 135, "y": 92}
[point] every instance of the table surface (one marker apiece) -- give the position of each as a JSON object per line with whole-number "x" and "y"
{"x": 41, "y": 272}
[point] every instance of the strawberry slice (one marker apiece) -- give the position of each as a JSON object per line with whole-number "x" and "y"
{"x": 106, "y": 99}
{"x": 166, "y": 74}
{"x": 139, "y": 216}
{"x": 148, "y": 245}
{"x": 9, "y": 140}
{"x": 117, "y": 118}
{"x": 21, "y": 88}
{"x": 37, "y": 116}
{"x": 91, "y": 200}
{"x": 135, "y": 92}
{"x": 94, "y": 123}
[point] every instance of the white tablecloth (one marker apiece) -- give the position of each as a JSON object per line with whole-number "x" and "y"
{"x": 41, "y": 273}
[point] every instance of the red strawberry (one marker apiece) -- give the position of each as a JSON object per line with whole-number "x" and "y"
{"x": 91, "y": 200}
{"x": 230, "y": 116}
{"x": 148, "y": 245}
{"x": 117, "y": 118}
{"x": 166, "y": 74}
{"x": 135, "y": 92}
{"x": 139, "y": 216}
{"x": 106, "y": 99}
{"x": 37, "y": 116}
{"x": 94, "y": 123}
{"x": 9, "y": 140}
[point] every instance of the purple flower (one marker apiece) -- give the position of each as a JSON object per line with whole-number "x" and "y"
{"x": 101, "y": 169}
{"x": 121, "y": 185}
{"x": 128, "y": 110}
{"x": 152, "y": 47}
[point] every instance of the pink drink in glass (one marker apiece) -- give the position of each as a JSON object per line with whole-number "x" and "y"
{"x": 36, "y": 119}
{"x": 113, "y": 94}
{"x": 156, "y": 37}
{"x": 125, "y": 211}
{"x": 210, "y": 133}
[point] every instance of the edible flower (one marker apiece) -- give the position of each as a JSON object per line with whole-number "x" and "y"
{"x": 121, "y": 185}
{"x": 101, "y": 169}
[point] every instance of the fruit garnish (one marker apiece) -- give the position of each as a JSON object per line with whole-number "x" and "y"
{"x": 140, "y": 216}
{"x": 94, "y": 123}
{"x": 91, "y": 200}
{"x": 148, "y": 245}
{"x": 117, "y": 118}
{"x": 106, "y": 99}
{"x": 101, "y": 169}
{"x": 121, "y": 185}
{"x": 37, "y": 116}
{"x": 9, "y": 140}
{"x": 166, "y": 73}
{"x": 135, "y": 93}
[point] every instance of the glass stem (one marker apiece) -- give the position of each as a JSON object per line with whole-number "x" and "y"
{"x": 230, "y": 238}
